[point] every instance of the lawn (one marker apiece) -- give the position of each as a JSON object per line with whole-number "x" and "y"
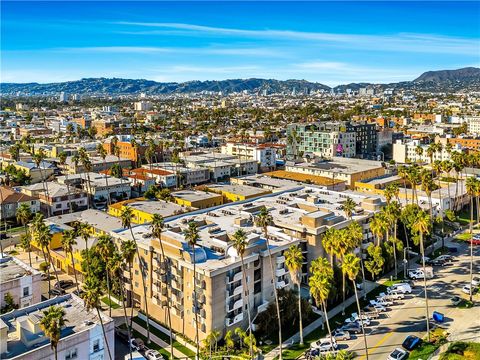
{"x": 463, "y": 236}
{"x": 462, "y": 350}
{"x": 112, "y": 304}
{"x": 423, "y": 351}
{"x": 180, "y": 347}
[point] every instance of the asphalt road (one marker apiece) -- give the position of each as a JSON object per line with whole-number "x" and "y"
{"x": 407, "y": 316}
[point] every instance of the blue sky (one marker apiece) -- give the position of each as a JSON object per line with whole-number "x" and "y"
{"x": 329, "y": 42}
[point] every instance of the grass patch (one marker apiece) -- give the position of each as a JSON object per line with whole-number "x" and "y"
{"x": 462, "y": 350}
{"x": 180, "y": 347}
{"x": 463, "y": 236}
{"x": 152, "y": 345}
{"x": 465, "y": 304}
{"x": 423, "y": 351}
{"x": 112, "y": 304}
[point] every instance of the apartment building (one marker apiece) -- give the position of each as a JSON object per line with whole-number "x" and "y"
{"x": 300, "y": 216}
{"x": 329, "y": 139}
{"x": 98, "y": 164}
{"x": 236, "y": 192}
{"x": 37, "y": 173}
{"x": 408, "y": 151}
{"x": 57, "y": 198}
{"x": 473, "y": 124}
{"x": 19, "y": 280}
{"x": 10, "y": 200}
{"x": 197, "y": 199}
{"x": 263, "y": 154}
{"x": 343, "y": 169}
{"x": 132, "y": 150}
{"x": 464, "y": 142}
{"x": 143, "y": 209}
{"x": 185, "y": 176}
{"x": 162, "y": 177}
{"x": 21, "y": 337}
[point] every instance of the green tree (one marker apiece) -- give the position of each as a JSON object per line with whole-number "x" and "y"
{"x": 294, "y": 263}
{"x": 51, "y": 323}
{"x": 68, "y": 243}
{"x": 375, "y": 263}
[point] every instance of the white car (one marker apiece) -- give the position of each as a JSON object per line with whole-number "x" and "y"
{"x": 324, "y": 344}
{"x": 378, "y": 307}
{"x": 466, "y": 289}
{"x": 153, "y": 355}
{"x": 365, "y": 320}
{"x": 395, "y": 295}
{"x": 400, "y": 287}
{"x": 476, "y": 281}
{"x": 398, "y": 354}
{"x": 383, "y": 301}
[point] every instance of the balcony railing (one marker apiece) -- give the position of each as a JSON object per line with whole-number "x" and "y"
{"x": 234, "y": 320}
{"x": 280, "y": 259}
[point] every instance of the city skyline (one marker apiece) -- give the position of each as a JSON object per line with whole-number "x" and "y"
{"x": 181, "y": 41}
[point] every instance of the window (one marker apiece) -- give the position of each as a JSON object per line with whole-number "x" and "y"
{"x": 71, "y": 354}
{"x": 58, "y": 206}
{"x": 136, "y": 284}
{"x": 96, "y": 345}
{"x": 26, "y": 291}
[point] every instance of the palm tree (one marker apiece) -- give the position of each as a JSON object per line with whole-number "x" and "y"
{"x": 62, "y": 160}
{"x": 115, "y": 267}
{"x": 68, "y": 242}
{"x": 320, "y": 281}
{"x": 294, "y": 263}
{"x": 103, "y": 154}
{"x": 472, "y": 188}
{"x": 126, "y": 217}
{"x": 24, "y": 214}
{"x": 263, "y": 220}
{"x": 447, "y": 167}
{"x": 91, "y": 297}
{"x": 348, "y": 207}
{"x": 38, "y": 158}
{"x": 157, "y": 227}
{"x": 378, "y": 227}
{"x": 355, "y": 233}
{"x": 105, "y": 248}
{"x": 350, "y": 266}
{"x": 25, "y": 244}
{"x": 44, "y": 238}
{"x": 128, "y": 250}
{"x": 87, "y": 167}
{"x": 328, "y": 242}
{"x": 422, "y": 227}
{"x": 403, "y": 173}
{"x": 51, "y": 324}
{"x": 392, "y": 213}
{"x": 192, "y": 237}
{"x": 240, "y": 244}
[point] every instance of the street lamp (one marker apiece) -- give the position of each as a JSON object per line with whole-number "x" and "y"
{"x": 405, "y": 261}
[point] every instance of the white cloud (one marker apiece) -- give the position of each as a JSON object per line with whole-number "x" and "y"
{"x": 402, "y": 42}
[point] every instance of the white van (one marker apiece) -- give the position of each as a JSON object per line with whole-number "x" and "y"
{"x": 403, "y": 288}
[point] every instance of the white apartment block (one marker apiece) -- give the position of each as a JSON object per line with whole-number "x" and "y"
{"x": 21, "y": 337}
{"x": 21, "y": 281}
{"x": 263, "y": 154}
{"x": 473, "y": 124}
{"x": 142, "y": 106}
{"x": 404, "y": 152}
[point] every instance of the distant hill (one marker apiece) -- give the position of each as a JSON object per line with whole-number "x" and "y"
{"x": 434, "y": 81}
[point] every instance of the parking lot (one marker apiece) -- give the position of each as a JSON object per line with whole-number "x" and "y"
{"x": 407, "y": 316}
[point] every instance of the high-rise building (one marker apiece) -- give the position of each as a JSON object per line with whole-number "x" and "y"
{"x": 63, "y": 97}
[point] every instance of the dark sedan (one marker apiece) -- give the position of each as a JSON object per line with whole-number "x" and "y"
{"x": 411, "y": 342}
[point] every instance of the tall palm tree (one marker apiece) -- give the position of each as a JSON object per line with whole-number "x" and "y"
{"x": 38, "y": 158}
{"x": 350, "y": 266}
{"x": 294, "y": 263}
{"x": 264, "y": 219}
{"x": 240, "y": 244}
{"x": 24, "y": 214}
{"x": 378, "y": 227}
{"x": 91, "y": 297}
{"x": 44, "y": 238}
{"x": 83, "y": 230}
{"x": 115, "y": 267}
{"x": 447, "y": 167}
{"x": 342, "y": 246}
{"x": 403, "y": 173}
{"x": 87, "y": 167}
{"x": 62, "y": 160}
{"x": 105, "y": 248}
{"x": 103, "y": 154}
{"x": 126, "y": 217}
{"x": 328, "y": 242}
{"x": 192, "y": 237}
{"x": 68, "y": 242}
{"x": 355, "y": 233}
{"x": 320, "y": 281}
{"x": 392, "y": 212}
{"x": 472, "y": 185}
{"x": 422, "y": 227}
{"x": 128, "y": 250}
{"x": 157, "y": 228}
{"x": 51, "y": 324}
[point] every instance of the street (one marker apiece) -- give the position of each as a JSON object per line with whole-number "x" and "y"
{"x": 406, "y": 317}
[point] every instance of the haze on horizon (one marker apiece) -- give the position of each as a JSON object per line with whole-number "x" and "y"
{"x": 328, "y": 42}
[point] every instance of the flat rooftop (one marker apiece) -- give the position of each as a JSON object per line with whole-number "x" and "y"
{"x": 165, "y": 209}
{"x": 97, "y": 219}
{"x": 11, "y": 268}
{"x": 20, "y": 324}
{"x": 243, "y": 190}
{"x": 194, "y": 195}
{"x": 342, "y": 165}
{"x": 315, "y": 179}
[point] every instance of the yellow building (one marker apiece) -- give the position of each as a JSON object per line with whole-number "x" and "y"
{"x": 143, "y": 209}
{"x": 235, "y": 192}
{"x": 197, "y": 199}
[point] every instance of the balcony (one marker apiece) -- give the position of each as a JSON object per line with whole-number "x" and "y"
{"x": 238, "y": 304}
{"x": 156, "y": 289}
{"x": 234, "y": 278}
{"x": 234, "y": 320}
{"x": 280, "y": 284}
{"x": 280, "y": 272}
{"x": 280, "y": 259}
{"x": 238, "y": 290}
{"x": 176, "y": 284}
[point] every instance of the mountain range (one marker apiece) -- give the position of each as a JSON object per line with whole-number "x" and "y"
{"x": 465, "y": 79}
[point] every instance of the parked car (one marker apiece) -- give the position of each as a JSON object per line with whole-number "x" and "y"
{"x": 417, "y": 274}
{"x": 137, "y": 344}
{"x": 475, "y": 241}
{"x": 78, "y": 293}
{"x": 324, "y": 344}
{"x": 355, "y": 318}
{"x": 4, "y": 236}
{"x": 476, "y": 281}
{"x": 466, "y": 289}
{"x": 341, "y": 335}
{"x": 153, "y": 355}
{"x": 395, "y": 294}
{"x": 452, "y": 249}
{"x": 375, "y": 307}
{"x": 63, "y": 284}
{"x": 57, "y": 292}
{"x": 397, "y": 354}
{"x": 401, "y": 287}
{"x": 437, "y": 262}
{"x": 383, "y": 301}
{"x": 455, "y": 300}
{"x": 411, "y": 342}
{"x": 445, "y": 258}
{"x": 352, "y": 328}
